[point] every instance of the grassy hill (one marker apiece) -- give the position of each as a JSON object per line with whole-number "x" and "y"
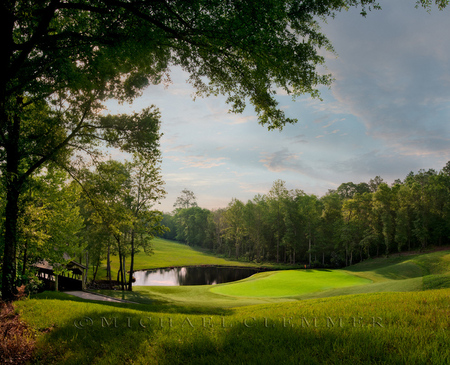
{"x": 168, "y": 253}
{"x": 387, "y": 310}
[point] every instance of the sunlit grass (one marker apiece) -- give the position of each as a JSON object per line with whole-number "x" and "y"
{"x": 289, "y": 283}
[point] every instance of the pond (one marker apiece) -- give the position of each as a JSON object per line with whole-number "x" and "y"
{"x": 176, "y": 276}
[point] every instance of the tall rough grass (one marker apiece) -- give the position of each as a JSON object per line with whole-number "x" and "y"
{"x": 404, "y": 328}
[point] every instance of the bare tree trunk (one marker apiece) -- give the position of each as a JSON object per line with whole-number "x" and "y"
{"x": 124, "y": 273}
{"x": 309, "y": 249}
{"x": 120, "y": 272}
{"x": 108, "y": 265}
{"x": 87, "y": 267}
{"x": 130, "y": 280}
{"x": 25, "y": 258}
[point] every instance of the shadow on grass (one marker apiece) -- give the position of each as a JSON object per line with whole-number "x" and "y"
{"x": 436, "y": 282}
{"x": 108, "y": 336}
{"x": 121, "y": 338}
{"x": 262, "y": 342}
{"x": 155, "y": 306}
{"x": 393, "y": 268}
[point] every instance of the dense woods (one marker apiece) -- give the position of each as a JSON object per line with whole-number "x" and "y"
{"x": 346, "y": 225}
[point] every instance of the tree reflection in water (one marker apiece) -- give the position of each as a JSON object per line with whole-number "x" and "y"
{"x": 191, "y": 276}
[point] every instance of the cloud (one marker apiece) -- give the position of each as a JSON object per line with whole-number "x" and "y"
{"x": 281, "y": 160}
{"x": 395, "y": 78}
{"x": 300, "y": 138}
{"x": 181, "y": 147}
{"x": 242, "y": 120}
{"x": 254, "y": 188}
{"x": 200, "y": 162}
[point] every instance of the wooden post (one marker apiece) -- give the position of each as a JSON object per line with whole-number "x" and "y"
{"x": 83, "y": 279}
{"x": 86, "y": 271}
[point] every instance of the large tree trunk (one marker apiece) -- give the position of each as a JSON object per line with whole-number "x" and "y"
{"x": 11, "y": 214}
{"x": 9, "y": 255}
{"x": 120, "y": 272}
{"x": 124, "y": 274}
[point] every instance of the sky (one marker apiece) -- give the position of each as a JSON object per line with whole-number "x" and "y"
{"x": 387, "y": 113}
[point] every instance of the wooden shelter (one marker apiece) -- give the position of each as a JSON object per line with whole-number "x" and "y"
{"x": 74, "y": 277}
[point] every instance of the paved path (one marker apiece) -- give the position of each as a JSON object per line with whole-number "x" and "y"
{"x": 96, "y": 296}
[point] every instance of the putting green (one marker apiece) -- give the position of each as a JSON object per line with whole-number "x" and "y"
{"x": 289, "y": 283}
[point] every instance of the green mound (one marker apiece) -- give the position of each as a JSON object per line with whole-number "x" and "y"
{"x": 289, "y": 283}
{"x": 403, "y": 267}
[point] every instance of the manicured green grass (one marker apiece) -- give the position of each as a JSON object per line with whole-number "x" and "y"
{"x": 396, "y": 274}
{"x": 289, "y": 283}
{"x": 192, "y": 298}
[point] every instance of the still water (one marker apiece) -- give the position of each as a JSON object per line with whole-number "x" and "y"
{"x": 191, "y": 276}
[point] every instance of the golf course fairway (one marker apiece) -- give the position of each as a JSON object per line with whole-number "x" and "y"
{"x": 289, "y": 283}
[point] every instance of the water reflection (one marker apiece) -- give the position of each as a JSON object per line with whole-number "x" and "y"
{"x": 191, "y": 276}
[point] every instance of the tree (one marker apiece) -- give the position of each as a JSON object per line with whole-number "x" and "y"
{"x": 50, "y": 222}
{"x": 62, "y": 59}
{"x": 186, "y": 200}
{"x": 375, "y": 183}
{"x": 236, "y": 230}
{"x": 122, "y": 195}
{"x": 255, "y": 216}
{"x": 385, "y": 204}
{"x": 146, "y": 190}
{"x": 218, "y": 221}
{"x": 294, "y": 234}
{"x": 275, "y": 198}
{"x": 310, "y": 209}
{"x": 331, "y": 224}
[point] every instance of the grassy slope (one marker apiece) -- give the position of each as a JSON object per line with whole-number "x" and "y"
{"x": 192, "y": 325}
{"x": 389, "y": 328}
{"x": 169, "y": 253}
{"x": 289, "y": 283}
{"x": 395, "y": 274}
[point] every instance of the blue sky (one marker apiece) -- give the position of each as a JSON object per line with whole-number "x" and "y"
{"x": 387, "y": 113}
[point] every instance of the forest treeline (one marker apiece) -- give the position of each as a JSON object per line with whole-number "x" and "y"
{"x": 346, "y": 225}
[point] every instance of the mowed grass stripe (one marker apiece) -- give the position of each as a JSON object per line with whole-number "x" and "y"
{"x": 289, "y": 283}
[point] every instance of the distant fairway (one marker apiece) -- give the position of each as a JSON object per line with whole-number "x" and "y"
{"x": 168, "y": 253}
{"x": 289, "y": 283}
{"x": 392, "y": 274}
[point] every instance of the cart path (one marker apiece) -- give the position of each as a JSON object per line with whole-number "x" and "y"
{"x": 96, "y": 296}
